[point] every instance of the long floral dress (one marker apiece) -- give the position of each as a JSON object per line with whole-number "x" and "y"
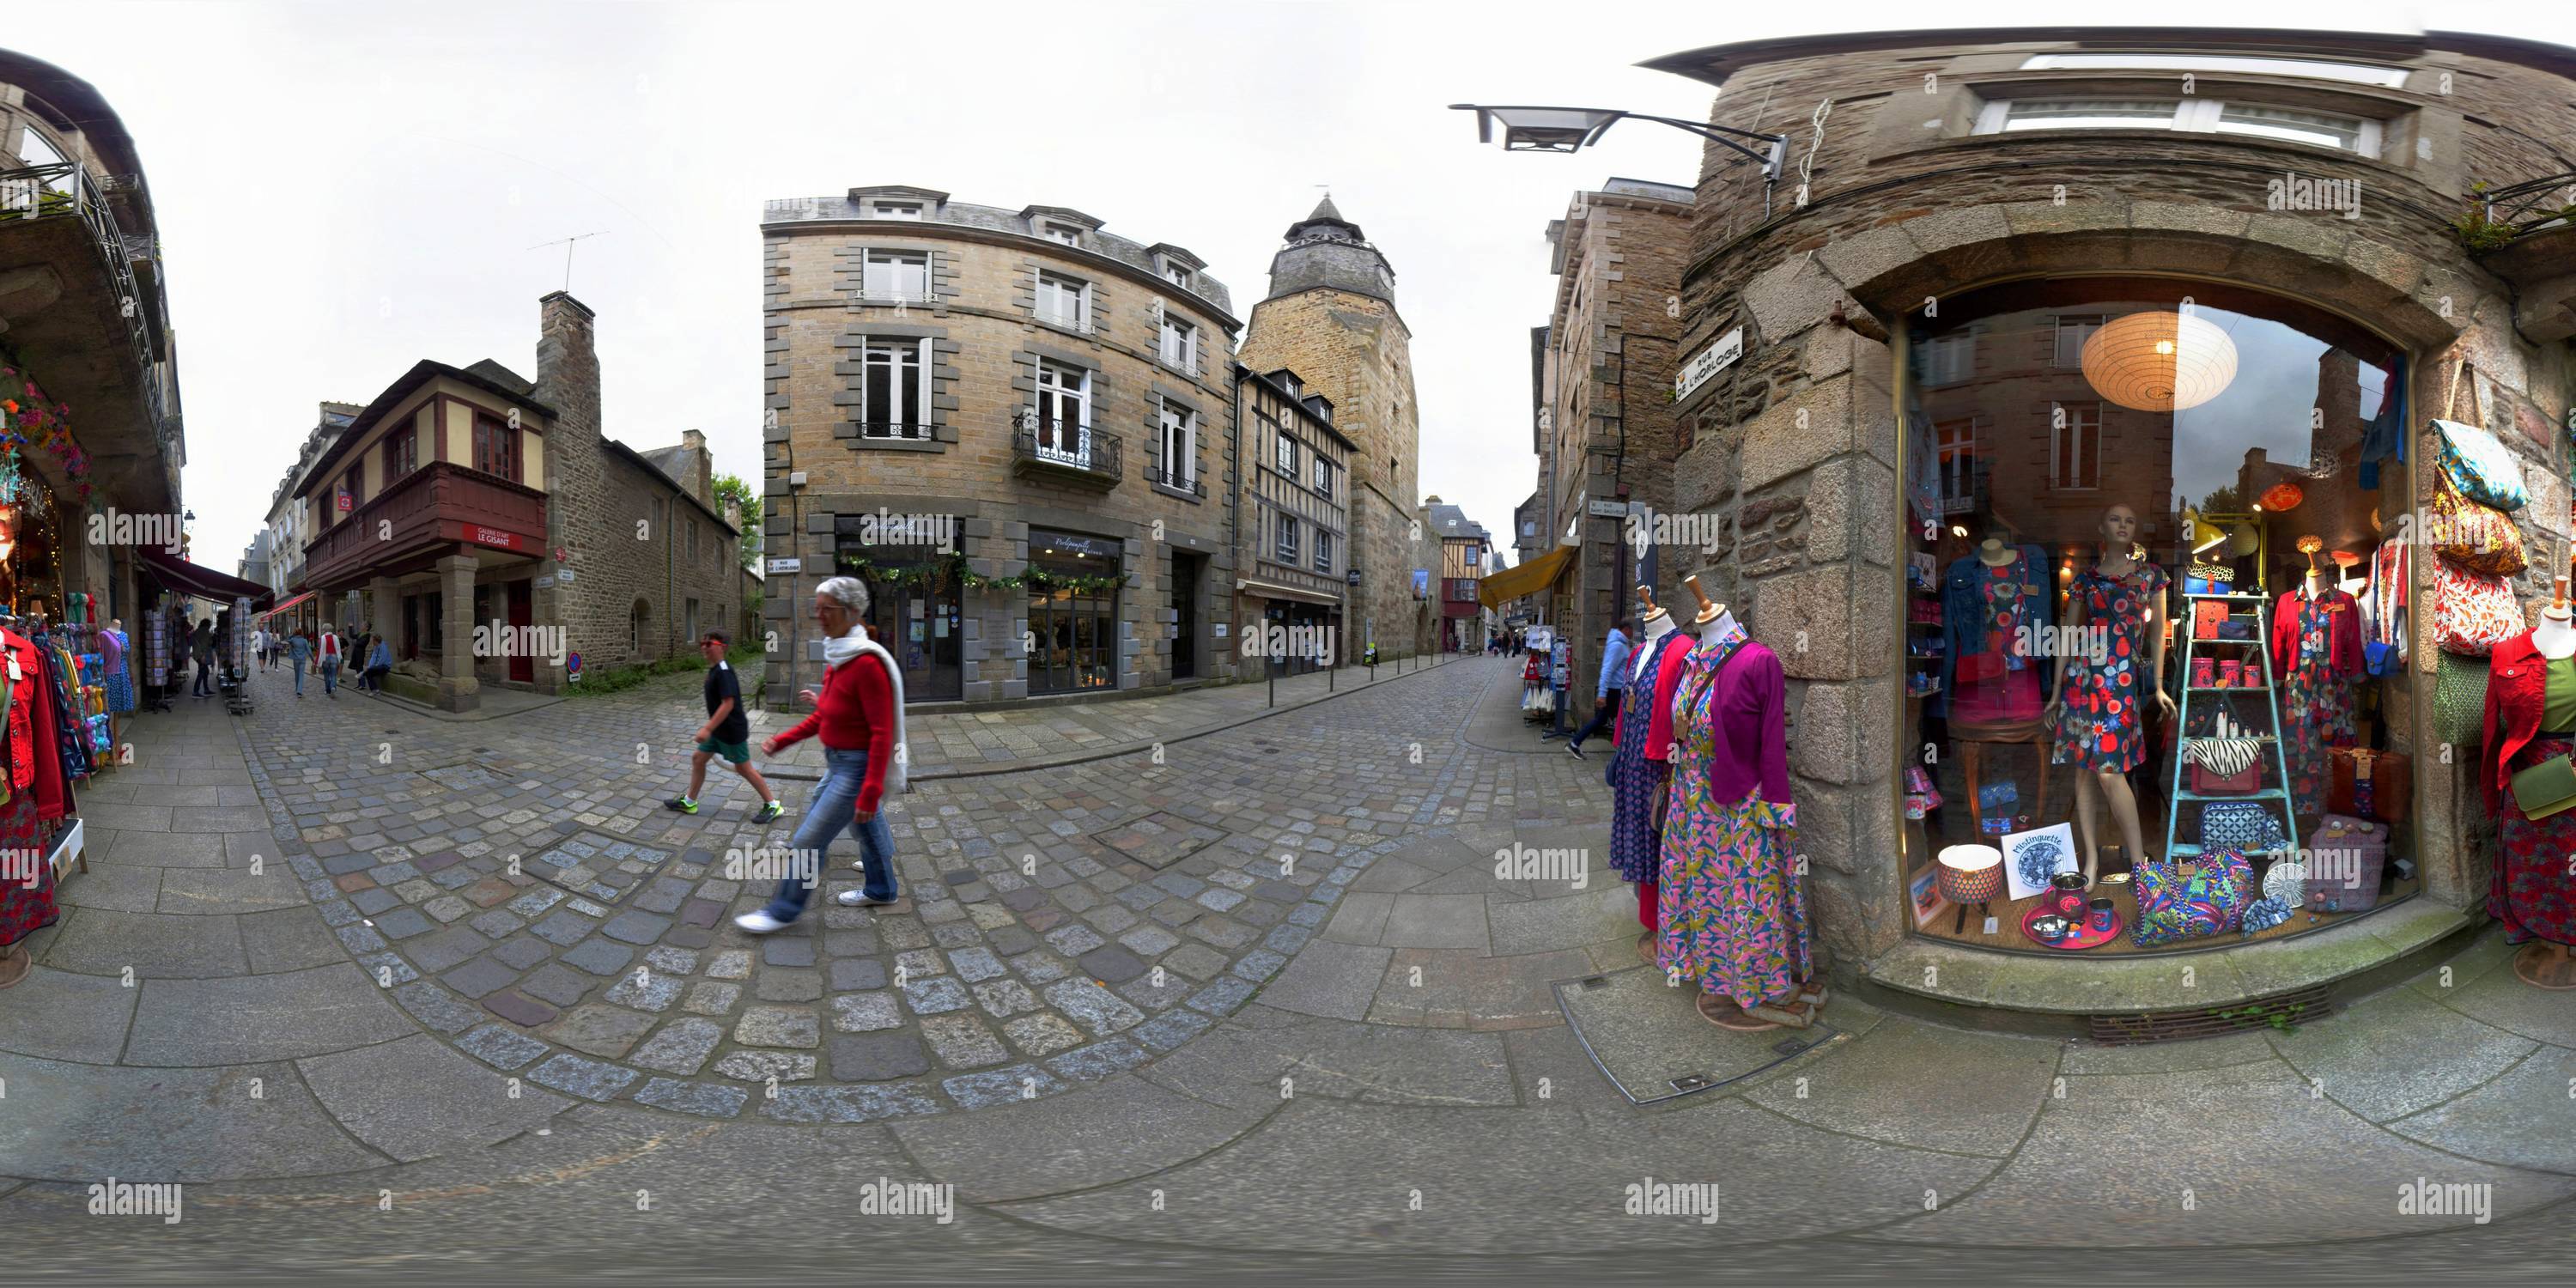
{"x": 1635, "y": 780}
{"x": 1733, "y": 908}
{"x": 2102, "y": 725}
{"x": 2533, "y": 893}
{"x": 2316, "y": 711}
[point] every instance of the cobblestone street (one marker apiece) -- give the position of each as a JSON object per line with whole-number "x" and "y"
{"x": 1266, "y": 997}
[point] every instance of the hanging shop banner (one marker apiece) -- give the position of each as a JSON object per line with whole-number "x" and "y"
{"x": 1710, "y": 361}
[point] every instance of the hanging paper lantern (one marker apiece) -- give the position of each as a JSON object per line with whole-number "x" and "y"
{"x": 2159, "y": 361}
{"x": 2283, "y": 496}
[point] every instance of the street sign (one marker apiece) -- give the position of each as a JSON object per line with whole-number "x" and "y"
{"x": 1608, "y": 510}
{"x": 563, "y": 576}
{"x": 1710, "y": 361}
{"x": 786, "y": 565}
{"x": 1354, "y": 575}
{"x": 545, "y": 581}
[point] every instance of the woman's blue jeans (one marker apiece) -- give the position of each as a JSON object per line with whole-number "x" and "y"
{"x": 835, "y": 806}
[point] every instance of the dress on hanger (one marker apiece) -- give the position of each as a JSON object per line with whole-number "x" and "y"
{"x": 1996, "y": 685}
{"x": 2316, "y": 652}
{"x": 1636, "y": 773}
{"x": 2532, "y": 892}
{"x": 2102, "y": 725}
{"x": 120, "y": 684}
{"x": 1733, "y": 906}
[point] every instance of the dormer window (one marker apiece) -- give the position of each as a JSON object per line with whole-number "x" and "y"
{"x": 896, "y": 210}
{"x": 1177, "y": 274}
{"x": 1065, "y": 233}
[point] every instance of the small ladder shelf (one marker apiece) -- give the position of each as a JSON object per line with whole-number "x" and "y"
{"x": 2277, "y": 794}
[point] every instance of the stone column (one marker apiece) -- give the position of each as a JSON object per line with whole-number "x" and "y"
{"x": 458, "y": 689}
{"x": 386, "y": 620}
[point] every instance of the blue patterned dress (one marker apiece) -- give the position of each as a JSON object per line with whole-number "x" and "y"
{"x": 1635, "y": 780}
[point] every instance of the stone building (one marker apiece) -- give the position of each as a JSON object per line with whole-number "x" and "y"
{"x": 1613, "y": 338}
{"x": 485, "y": 526}
{"x": 291, "y": 517}
{"x": 1996, "y": 250}
{"x": 1016, "y": 426}
{"x": 85, "y": 323}
{"x": 1331, "y": 317}
{"x": 1292, "y": 601}
{"x": 1464, "y": 545}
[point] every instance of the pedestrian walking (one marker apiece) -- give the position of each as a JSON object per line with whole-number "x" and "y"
{"x": 299, "y": 648}
{"x": 259, "y": 646}
{"x": 328, "y": 651}
{"x": 726, "y": 733}
{"x": 858, "y": 712}
{"x": 1609, "y": 690}
{"x": 201, "y": 646}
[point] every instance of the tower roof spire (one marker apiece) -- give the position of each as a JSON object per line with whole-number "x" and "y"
{"x": 1325, "y": 210}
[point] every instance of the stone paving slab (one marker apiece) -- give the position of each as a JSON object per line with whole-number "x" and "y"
{"x": 152, "y": 945}
{"x": 2378, "y": 1070}
{"x": 77, "y": 1122}
{"x": 293, "y": 1013}
{"x": 58, "y": 1015}
{"x": 1116, "y": 1130}
{"x": 412, "y": 1097}
{"x": 1987, "y": 1088}
{"x": 2517, "y": 1119}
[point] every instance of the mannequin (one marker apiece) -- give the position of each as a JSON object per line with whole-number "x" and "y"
{"x": 1640, "y": 769}
{"x": 1991, "y": 602}
{"x": 2531, "y": 887}
{"x": 2097, "y": 717}
{"x": 1733, "y": 910}
{"x": 2316, "y": 662}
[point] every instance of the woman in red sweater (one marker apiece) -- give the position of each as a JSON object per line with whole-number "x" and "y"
{"x": 858, "y": 712}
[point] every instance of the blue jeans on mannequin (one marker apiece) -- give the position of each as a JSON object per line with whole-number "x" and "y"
{"x": 834, "y": 807}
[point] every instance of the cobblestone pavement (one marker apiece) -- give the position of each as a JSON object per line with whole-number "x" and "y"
{"x": 520, "y": 891}
{"x": 1357, "y": 1064}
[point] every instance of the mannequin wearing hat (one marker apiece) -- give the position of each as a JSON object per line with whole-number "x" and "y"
{"x": 2116, "y": 614}
{"x": 1733, "y": 912}
{"x": 1640, "y": 769}
{"x": 1992, "y": 600}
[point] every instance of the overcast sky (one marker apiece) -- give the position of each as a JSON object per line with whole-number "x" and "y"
{"x": 346, "y": 189}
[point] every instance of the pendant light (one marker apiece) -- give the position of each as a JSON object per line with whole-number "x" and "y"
{"x": 2158, "y": 361}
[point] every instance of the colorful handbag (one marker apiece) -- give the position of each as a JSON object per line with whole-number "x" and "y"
{"x": 2472, "y": 611}
{"x": 2173, "y": 906}
{"x": 2482, "y": 468}
{"x": 2460, "y": 700}
{"x": 2473, "y": 536}
{"x": 2345, "y": 856}
{"x": 2206, "y": 618}
{"x": 2244, "y": 826}
{"x": 2236, "y": 628}
{"x": 2371, "y": 784}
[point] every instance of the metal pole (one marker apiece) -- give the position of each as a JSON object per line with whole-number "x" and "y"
{"x": 1273, "y": 673}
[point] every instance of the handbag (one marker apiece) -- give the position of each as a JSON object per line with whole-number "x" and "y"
{"x": 2236, "y": 628}
{"x": 2370, "y": 784}
{"x": 2460, "y": 700}
{"x": 2545, "y": 789}
{"x": 2480, "y": 466}
{"x": 2473, "y": 536}
{"x": 2246, "y": 827}
{"x": 2224, "y": 766}
{"x": 2472, "y": 611}
{"x": 2208, "y": 900}
{"x": 2206, "y": 618}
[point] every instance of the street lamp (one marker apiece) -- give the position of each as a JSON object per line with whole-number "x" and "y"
{"x": 1569, "y": 129}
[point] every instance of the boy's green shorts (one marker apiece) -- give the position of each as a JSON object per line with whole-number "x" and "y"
{"x": 735, "y": 753}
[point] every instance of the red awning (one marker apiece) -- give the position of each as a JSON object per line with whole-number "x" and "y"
{"x": 290, "y": 603}
{"x": 196, "y": 579}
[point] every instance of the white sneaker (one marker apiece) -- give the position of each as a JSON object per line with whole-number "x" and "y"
{"x": 860, "y": 899}
{"x": 759, "y": 922}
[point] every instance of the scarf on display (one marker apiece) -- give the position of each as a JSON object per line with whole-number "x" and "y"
{"x": 1729, "y": 638}
{"x": 846, "y": 647}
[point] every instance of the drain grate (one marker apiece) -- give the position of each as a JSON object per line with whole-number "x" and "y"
{"x": 2299, "y": 1006}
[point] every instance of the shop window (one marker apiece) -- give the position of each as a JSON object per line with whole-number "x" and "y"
{"x": 2145, "y": 644}
{"x": 1073, "y": 617}
{"x": 2195, "y": 115}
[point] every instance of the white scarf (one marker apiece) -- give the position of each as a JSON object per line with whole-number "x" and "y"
{"x": 841, "y": 650}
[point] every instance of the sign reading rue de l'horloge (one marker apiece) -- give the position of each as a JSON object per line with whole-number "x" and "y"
{"x": 1709, "y": 361}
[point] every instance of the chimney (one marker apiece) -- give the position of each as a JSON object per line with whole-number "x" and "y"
{"x": 567, "y": 365}
{"x": 702, "y": 473}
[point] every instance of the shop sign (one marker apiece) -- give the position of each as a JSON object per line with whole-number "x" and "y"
{"x": 1219, "y": 628}
{"x": 777, "y": 566}
{"x": 482, "y": 536}
{"x": 1711, "y": 360}
{"x": 1353, "y": 575}
{"x": 1608, "y": 510}
{"x": 1069, "y": 544}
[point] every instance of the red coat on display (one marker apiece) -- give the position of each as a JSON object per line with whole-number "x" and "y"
{"x": 2517, "y": 690}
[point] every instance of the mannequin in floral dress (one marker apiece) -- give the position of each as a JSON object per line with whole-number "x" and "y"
{"x": 2099, "y": 713}
{"x": 2316, "y": 652}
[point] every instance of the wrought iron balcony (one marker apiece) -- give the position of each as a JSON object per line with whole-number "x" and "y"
{"x": 1064, "y": 451}
{"x": 896, "y": 431}
{"x": 67, "y": 190}
{"x": 1161, "y": 477}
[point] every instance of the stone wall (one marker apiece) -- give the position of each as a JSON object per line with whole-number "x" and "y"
{"x": 1794, "y": 450}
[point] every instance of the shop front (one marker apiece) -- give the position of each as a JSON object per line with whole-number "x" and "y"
{"x": 1072, "y": 585}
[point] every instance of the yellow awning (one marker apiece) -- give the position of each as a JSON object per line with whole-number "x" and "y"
{"x": 1498, "y": 589}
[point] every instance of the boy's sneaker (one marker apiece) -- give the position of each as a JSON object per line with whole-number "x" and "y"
{"x": 681, "y": 803}
{"x": 769, "y": 812}
{"x": 759, "y": 922}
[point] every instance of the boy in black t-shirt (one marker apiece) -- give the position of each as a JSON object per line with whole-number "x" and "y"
{"x": 726, "y": 733}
